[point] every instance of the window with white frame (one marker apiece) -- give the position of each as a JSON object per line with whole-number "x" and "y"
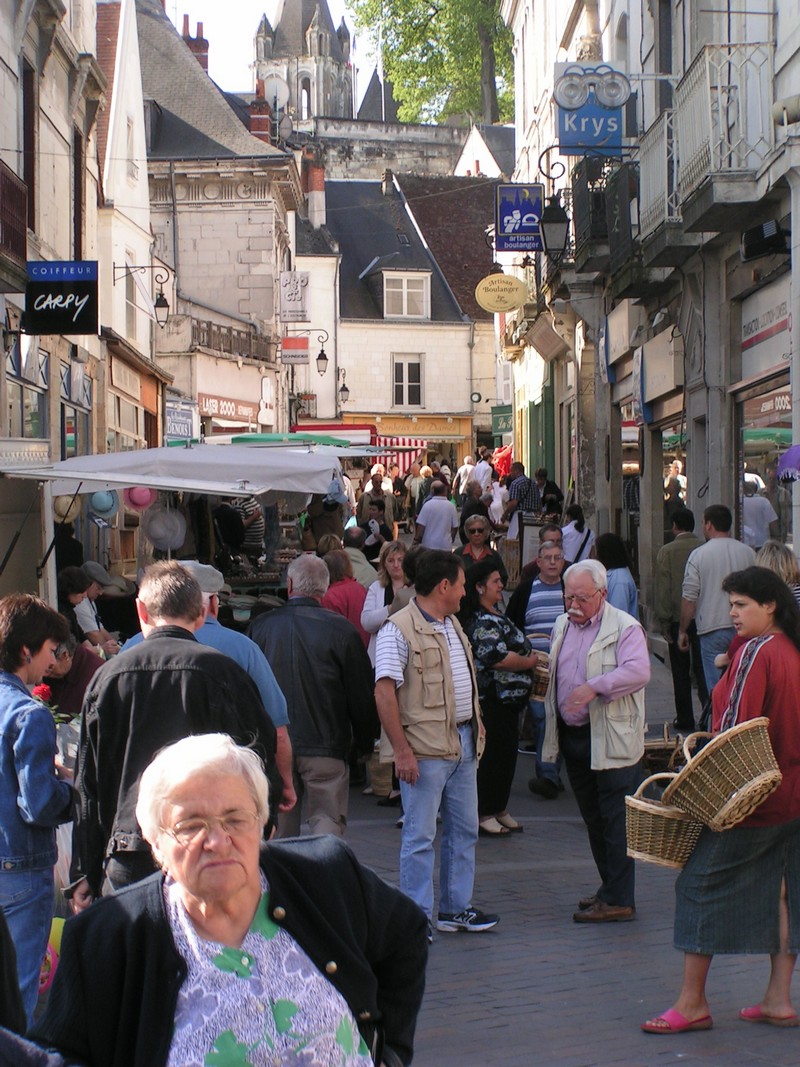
{"x": 406, "y": 296}
{"x": 131, "y": 309}
{"x": 407, "y": 381}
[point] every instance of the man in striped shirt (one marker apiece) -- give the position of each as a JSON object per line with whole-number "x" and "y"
{"x": 534, "y": 607}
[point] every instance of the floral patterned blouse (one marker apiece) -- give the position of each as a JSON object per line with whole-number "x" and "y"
{"x": 492, "y": 637}
{"x": 262, "y": 1005}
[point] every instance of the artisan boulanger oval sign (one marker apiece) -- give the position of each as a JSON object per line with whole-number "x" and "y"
{"x": 61, "y": 297}
{"x": 501, "y": 292}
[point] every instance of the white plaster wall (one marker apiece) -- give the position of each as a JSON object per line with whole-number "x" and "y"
{"x": 365, "y": 352}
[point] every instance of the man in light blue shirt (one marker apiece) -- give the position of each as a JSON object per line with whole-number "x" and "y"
{"x": 250, "y": 657}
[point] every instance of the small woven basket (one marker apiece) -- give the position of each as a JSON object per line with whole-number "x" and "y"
{"x": 729, "y": 777}
{"x": 657, "y": 832}
{"x": 663, "y": 753}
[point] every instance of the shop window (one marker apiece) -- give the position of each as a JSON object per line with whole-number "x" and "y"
{"x": 765, "y": 432}
{"x": 407, "y": 378}
{"x": 406, "y": 296}
{"x": 27, "y": 376}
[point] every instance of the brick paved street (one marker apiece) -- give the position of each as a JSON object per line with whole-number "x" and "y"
{"x": 541, "y": 990}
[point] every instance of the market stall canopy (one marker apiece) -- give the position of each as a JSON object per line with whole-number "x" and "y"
{"x": 232, "y": 470}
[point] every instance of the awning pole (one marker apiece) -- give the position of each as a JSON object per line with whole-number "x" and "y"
{"x": 16, "y": 537}
{"x": 52, "y": 545}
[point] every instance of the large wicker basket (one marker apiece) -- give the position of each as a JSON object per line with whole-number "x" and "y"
{"x": 727, "y": 779}
{"x": 657, "y": 832}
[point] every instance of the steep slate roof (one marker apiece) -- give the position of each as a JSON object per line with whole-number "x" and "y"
{"x": 195, "y": 121}
{"x": 452, "y": 214}
{"x": 311, "y": 242}
{"x": 367, "y": 226}
{"x": 370, "y": 110}
{"x": 500, "y": 142}
{"x": 292, "y": 22}
{"x": 108, "y": 12}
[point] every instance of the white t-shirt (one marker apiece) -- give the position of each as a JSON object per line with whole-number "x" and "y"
{"x": 86, "y": 616}
{"x": 440, "y": 518}
{"x": 483, "y": 474}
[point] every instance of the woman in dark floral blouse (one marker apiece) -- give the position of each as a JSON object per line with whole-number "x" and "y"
{"x": 503, "y": 661}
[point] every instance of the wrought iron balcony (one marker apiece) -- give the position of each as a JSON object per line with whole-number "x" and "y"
{"x": 665, "y": 243}
{"x": 13, "y": 231}
{"x": 589, "y": 178}
{"x": 725, "y": 132}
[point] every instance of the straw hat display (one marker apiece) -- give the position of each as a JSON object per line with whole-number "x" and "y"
{"x": 104, "y": 504}
{"x": 164, "y": 529}
{"x": 66, "y": 508}
{"x": 139, "y": 497}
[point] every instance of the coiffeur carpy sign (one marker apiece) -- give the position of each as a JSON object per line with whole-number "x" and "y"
{"x": 61, "y": 297}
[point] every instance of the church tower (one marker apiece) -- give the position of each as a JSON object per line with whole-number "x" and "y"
{"x": 303, "y": 64}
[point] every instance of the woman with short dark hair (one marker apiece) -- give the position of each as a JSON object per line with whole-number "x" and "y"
{"x": 740, "y": 890}
{"x": 33, "y": 798}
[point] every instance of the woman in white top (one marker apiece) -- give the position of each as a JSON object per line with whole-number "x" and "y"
{"x": 381, "y": 594}
{"x": 577, "y": 538}
{"x": 499, "y": 499}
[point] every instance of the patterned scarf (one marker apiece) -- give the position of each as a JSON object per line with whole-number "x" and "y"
{"x": 746, "y": 661}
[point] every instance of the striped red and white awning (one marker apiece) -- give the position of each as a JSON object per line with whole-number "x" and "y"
{"x": 400, "y": 450}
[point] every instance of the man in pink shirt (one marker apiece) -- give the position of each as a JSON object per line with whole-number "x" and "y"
{"x": 595, "y": 718}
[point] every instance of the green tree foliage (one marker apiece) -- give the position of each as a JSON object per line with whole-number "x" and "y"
{"x": 443, "y": 57}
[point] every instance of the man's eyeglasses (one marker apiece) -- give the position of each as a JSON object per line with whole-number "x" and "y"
{"x": 234, "y": 824}
{"x": 579, "y": 598}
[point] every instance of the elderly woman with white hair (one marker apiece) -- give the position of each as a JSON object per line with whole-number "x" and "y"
{"x": 594, "y": 707}
{"x": 237, "y": 951}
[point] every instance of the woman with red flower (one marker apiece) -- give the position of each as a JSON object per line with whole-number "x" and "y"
{"x": 33, "y": 799}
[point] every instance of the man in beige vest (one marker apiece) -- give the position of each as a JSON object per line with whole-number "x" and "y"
{"x": 427, "y": 700}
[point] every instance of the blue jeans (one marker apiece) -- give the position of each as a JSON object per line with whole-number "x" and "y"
{"x": 550, "y": 771}
{"x": 452, "y": 786}
{"x": 711, "y": 645}
{"x": 27, "y": 901}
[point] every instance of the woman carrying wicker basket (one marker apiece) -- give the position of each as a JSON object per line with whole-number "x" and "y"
{"x": 739, "y": 892}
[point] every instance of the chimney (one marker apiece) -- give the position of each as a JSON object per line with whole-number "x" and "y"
{"x": 260, "y": 115}
{"x": 313, "y": 182}
{"x": 198, "y": 45}
{"x": 387, "y": 183}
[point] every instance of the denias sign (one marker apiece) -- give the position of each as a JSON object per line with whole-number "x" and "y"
{"x": 61, "y": 297}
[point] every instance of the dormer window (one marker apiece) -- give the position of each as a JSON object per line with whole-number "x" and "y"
{"x": 406, "y": 296}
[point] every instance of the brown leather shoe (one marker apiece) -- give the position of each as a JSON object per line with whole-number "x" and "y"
{"x": 587, "y": 902}
{"x": 600, "y": 912}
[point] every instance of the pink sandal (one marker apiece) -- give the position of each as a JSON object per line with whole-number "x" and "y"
{"x": 675, "y": 1023}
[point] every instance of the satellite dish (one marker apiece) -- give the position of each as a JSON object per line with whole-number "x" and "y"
{"x": 276, "y": 92}
{"x": 285, "y": 127}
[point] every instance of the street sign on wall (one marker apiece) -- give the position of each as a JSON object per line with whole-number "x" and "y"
{"x": 518, "y": 209}
{"x": 61, "y": 298}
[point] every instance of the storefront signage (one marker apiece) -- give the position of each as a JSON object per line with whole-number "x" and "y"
{"x": 518, "y": 209}
{"x": 180, "y": 423}
{"x": 642, "y": 412}
{"x": 294, "y": 350}
{"x": 501, "y": 292}
{"x": 266, "y": 407}
{"x": 502, "y": 419}
{"x": 61, "y": 298}
{"x": 766, "y": 328}
{"x": 225, "y": 407}
{"x": 593, "y": 128}
{"x": 294, "y": 296}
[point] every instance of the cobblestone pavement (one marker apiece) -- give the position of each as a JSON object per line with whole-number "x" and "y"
{"x": 542, "y": 991}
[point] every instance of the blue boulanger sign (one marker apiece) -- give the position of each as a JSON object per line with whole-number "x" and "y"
{"x": 61, "y": 297}
{"x": 590, "y": 129}
{"x": 518, "y": 209}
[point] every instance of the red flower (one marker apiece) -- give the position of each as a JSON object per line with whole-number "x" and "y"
{"x": 43, "y": 692}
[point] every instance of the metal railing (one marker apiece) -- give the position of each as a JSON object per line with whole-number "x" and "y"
{"x": 13, "y": 216}
{"x": 722, "y": 107}
{"x": 658, "y": 175}
{"x": 228, "y": 339}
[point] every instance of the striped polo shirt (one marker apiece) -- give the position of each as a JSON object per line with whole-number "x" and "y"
{"x": 545, "y": 604}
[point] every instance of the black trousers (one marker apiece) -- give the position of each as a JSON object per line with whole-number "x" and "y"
{"x": 683, "y": 665}
{"x": 499, "y": 759}
{"x": 601, "y": 800}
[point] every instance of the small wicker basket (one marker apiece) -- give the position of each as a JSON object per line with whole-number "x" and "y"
{"x": 657, "y": 832}
{"x": 729, "y": 777}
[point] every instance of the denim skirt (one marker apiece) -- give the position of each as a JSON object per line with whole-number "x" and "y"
{"x": 728, "y": 893}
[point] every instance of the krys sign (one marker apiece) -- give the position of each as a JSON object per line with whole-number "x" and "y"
{"x": 61, "y": 297}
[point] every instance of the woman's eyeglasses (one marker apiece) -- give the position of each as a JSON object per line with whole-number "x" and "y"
{"x": 234, "y": 824}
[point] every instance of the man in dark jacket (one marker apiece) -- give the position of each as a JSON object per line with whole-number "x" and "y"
{"x": 323, "y": 669}
{"x": 166, "y": 688}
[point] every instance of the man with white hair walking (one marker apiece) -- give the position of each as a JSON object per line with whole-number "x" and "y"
{"x": 599, "y": 667}
{"x": 326, "y": 676}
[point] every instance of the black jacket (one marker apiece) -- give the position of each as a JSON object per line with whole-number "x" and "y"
{"x": 324, "y": 671}
{"x": 113, "y": 999}
{"x": 162, "y": 690}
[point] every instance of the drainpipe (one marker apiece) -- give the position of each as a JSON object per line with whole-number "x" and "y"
{"x": 793, "y": 177}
